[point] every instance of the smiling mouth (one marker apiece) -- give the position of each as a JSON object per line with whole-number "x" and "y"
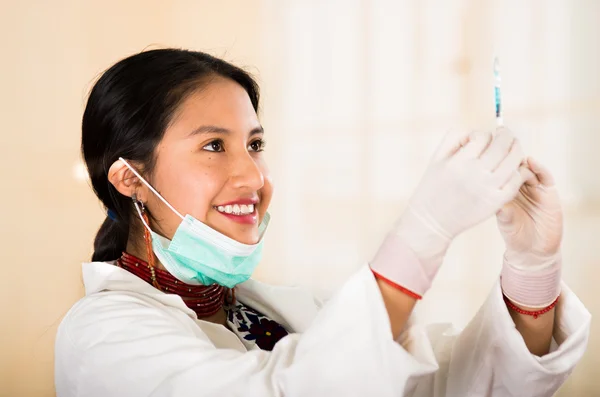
{"x": 236, "y": 209}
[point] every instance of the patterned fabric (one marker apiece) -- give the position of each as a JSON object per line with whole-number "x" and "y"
{"x": 253, "y": 328}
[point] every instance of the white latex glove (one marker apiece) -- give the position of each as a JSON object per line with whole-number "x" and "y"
{"x": 469, "y": 179}
{"x": 532, "y": 226}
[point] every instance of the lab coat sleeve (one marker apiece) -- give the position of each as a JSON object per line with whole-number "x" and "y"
{"x": 489, "y": 357}
{"x": 119, "y": 345}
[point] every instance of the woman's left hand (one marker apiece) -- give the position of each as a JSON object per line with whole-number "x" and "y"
{"x": 532, "y": 223}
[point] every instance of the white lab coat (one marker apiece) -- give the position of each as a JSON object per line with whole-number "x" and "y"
{"x": 125, "y": 338}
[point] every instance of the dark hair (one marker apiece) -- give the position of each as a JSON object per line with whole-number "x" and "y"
{"x": 126, "y": 115}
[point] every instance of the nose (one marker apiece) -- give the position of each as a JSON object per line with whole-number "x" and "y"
{"x": 246, "y": 173}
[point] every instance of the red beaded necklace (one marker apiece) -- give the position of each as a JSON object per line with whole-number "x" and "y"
{"x": 205, "y": 300}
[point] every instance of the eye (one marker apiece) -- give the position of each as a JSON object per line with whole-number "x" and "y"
{"x": 214, "y": 146}
{"x": 257, "y": 145}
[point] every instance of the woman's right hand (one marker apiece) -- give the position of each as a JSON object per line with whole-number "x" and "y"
{"x": 469, "y": 179}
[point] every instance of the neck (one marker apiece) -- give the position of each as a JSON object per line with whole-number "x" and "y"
{"x": 138, "y": 249}
{"x": 190, "y": 299}
{"x": 219, "y": 317}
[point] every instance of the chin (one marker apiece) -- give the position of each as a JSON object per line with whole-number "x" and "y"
{"x": 246, "y": 239}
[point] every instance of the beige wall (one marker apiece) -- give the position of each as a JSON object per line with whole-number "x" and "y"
{"x": 391, "y": 76}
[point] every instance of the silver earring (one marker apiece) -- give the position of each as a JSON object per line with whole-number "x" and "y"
{"x": 137, "y": 202}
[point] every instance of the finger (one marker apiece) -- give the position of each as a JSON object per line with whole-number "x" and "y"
{"x": 529, "y": 177}
{"x": 478, "y": 143}
{"x": 511, "y": 162}
{"x": 542, "y": 173}
{"x": 514, "y": 183}
{"x": 452, "y": 142}
{"x": 498, "y": 149}
{"x": 505, "y": 214}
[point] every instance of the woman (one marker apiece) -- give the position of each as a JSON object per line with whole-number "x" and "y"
{"x": 173, "y": 147}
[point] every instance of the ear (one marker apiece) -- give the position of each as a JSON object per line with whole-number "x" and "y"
{"x": 125, "y": 181}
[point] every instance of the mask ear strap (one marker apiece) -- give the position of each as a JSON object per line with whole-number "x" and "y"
{"x": 262, "y": 228}
{"x": 151, "y": 188}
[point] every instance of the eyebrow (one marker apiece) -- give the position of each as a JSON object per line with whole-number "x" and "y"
{"x": 208, "y": 129}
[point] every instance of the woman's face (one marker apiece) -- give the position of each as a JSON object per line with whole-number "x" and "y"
{"x": 210, "y": 165}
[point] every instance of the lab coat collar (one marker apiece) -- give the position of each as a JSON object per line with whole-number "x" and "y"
{"x": 292, "y": 307}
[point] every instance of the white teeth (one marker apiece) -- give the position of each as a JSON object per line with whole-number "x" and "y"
{"x": 237, "y": 209}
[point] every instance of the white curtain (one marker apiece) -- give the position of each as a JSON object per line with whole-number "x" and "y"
{"x": 362, "y": 93}
{"x": 358, "y": 93}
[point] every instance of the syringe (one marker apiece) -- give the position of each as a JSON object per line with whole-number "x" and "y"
{"x": 497, "y": 95}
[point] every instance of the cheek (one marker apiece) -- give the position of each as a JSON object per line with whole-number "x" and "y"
{"x": 267, "y": 190}
{"x": 194, "y": 192}
{"x": 205, "y": 188}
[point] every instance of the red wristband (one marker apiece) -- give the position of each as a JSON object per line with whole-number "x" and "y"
{"x": 535, "y": 313}
{"x": 398, "y": 287}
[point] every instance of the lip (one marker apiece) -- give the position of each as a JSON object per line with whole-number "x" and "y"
{"x": 249, "y": 219}
{"x": 242, "y": 201}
